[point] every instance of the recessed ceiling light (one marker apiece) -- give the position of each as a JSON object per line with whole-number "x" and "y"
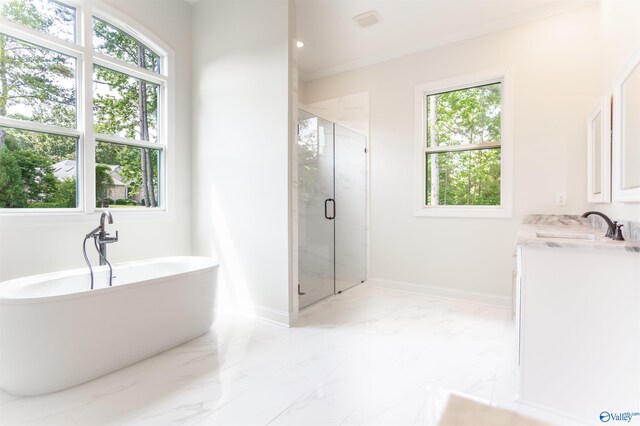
{"x": 367, "y": 19}
{"x": 299, "y": 43}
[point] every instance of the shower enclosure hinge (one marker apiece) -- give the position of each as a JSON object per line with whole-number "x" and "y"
{"x": 300, "y": 293}
{"x": 365, "y": 150}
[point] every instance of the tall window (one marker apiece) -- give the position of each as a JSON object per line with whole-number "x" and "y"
{"x": 69, "y": 143}
{"x": 461, "y": 138}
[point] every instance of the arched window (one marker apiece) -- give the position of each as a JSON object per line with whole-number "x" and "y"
{"x": 84, "y": 117}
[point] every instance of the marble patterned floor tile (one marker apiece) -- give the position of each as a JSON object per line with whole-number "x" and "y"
{"x": 367, "y": 356}
{"x": 262, "y": 403}
{"x": 196, "y": 401}
{"x": 69, "y": 406}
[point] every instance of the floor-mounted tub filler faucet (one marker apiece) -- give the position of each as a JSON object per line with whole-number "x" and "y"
{"x": 100, "y": 240}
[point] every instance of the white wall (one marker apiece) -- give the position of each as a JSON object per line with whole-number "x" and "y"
{"x": 351, "y": 111}
{"x": 27, "y": 249}
{"x": 241, "y": 104}
{"x": 556, "y": 68}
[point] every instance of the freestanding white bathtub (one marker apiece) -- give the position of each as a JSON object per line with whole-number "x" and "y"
{"x": 55, "y": 332}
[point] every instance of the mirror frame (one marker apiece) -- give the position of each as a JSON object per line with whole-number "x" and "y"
{"x": 602, "y": 109}
{"x": 621, "y": 194}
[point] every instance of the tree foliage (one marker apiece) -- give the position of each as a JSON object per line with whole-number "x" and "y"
{"x": 37, "y": 180}
{"x": 37, "y": 84}
{"x": 464, "y": 117}
{"x": 127, "y": 107}
{"x": 104, "y": 181}
{"x": 12, "y": 193}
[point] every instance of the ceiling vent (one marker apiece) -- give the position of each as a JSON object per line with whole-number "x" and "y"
{"x": 367, "y": 19}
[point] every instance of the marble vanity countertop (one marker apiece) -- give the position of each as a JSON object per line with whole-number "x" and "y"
{"x": 569, "y": 232}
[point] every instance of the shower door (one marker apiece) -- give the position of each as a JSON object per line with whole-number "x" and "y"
{"x": 331, "y": 208}
{"x": 316, "y": 248}
{"x": 350, "y": 170}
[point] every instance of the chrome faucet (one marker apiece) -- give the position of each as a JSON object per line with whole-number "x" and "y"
{"x": 100, "y": 239}
{"x": 104, "y": 238}
{"x": 613, "y": 230}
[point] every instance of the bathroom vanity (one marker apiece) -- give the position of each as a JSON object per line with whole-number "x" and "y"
{"x": 577, "y": 318}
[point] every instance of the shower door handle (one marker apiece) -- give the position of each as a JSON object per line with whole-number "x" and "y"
{"x": 326, "y": 203}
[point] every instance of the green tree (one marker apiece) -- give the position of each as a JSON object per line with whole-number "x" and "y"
{"x": 104, "y": 182}
{"x": 12, "y": 193}
{"x": 36, "y": 84}
{"x": 129, "y": 107}
{"x": 31, "y": 77}
{"x": 36, "y": 174}
{"x": 464, "y": 117}
{"x": 65, "y": 196}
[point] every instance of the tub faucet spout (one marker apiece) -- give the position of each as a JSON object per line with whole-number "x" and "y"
{"x": 105, "y": 215}
{"x": 100, "y": 239}
{"x": 104, "y": 238}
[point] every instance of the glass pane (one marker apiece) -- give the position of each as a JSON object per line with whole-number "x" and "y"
{"x": 631, "y": 131}
{"x": 464, "y": 178}
{"x": 124, "y": 106}
{"x": 36, "y": 84}
{"x": 126, "y": 176}
{"x": 315, "y": 232}
{"x": 37, "y": 170}
{"x": 114, "y": 42}
{"x": 597, "y": 154}
{"x": 350, "y": 222}
{"x": 47, "y": 16}
{"x": 463, "y": 117}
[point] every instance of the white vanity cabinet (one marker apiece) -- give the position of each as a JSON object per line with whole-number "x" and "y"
{"x": 578, "y": 322}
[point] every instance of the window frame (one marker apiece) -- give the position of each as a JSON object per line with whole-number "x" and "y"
{"x": 505, "y": 209}
{"x": 86, "y": 58}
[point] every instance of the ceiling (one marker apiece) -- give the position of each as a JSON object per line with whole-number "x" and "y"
{"x": 333, "y": 42}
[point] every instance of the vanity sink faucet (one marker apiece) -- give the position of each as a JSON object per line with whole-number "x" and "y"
{"x": 613, "y": 230}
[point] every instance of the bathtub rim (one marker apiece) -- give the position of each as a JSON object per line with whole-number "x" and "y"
{"x": 211, "y": 264}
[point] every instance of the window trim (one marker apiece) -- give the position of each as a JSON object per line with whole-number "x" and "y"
{"x": 505, "y": 209}
{"x": 86, "y": 57}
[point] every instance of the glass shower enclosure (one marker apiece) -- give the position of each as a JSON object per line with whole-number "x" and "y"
{"x": 331, "y": 208}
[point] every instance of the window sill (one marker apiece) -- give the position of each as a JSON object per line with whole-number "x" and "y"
{"x": 60, "y": 217}
{"x": 499, "y": 212}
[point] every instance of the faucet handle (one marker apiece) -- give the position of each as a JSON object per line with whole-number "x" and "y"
{"x": 618, "y": 236}
{"x": 93, "y": 233}
{"x": 108, "y": 239}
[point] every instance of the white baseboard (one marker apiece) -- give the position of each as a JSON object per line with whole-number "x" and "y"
{"x": 266, "y": 313}
{"x": 272, "y": 315}
{"x": 449, "y": 293}
{"x": 262, "y": 312}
